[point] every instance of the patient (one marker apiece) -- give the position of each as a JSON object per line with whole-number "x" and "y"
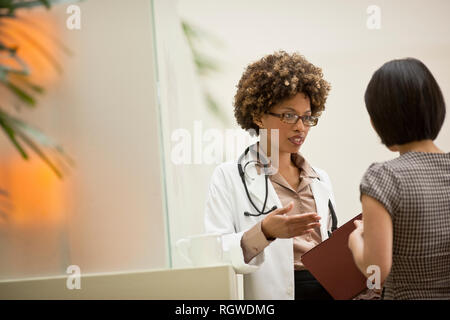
{"x": 406, "y": 201}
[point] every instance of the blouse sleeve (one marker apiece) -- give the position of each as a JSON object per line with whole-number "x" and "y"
{"x": 381, "y": 183}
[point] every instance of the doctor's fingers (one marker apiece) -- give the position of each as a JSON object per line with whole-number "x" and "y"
{"x": 298, "y": 230}
{"x": 304, "y": 218}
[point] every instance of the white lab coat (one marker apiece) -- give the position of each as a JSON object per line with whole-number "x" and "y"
{"x": 269, "y": 275}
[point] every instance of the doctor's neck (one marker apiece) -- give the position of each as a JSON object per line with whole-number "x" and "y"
{"x": 284, "y": 158}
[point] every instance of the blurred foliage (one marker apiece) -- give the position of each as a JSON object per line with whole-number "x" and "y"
{"x": 5, "y": 205}
{"x": 15, "y": 78}
{"x": 205, "y": 66}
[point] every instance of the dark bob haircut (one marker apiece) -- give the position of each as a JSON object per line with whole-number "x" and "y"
{"x": 405, "y": 102}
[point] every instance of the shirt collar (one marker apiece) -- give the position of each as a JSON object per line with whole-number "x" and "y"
{"x": 301, "y": 163}
{"x": 305, "y": 168}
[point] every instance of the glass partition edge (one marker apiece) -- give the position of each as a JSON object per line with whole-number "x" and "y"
{"x": 161, "y": 137}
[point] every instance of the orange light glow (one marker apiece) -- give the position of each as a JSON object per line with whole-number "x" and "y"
{"x": 34, "y": 33}
{"x": 36, "y": 194}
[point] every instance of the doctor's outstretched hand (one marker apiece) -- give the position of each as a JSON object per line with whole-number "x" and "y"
{"x": 278, "y": 224}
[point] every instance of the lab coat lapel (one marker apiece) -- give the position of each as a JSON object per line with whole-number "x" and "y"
{"x": 321, "y": 196}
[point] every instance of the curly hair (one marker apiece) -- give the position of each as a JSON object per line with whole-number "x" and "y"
{"x": 274, "y": 78}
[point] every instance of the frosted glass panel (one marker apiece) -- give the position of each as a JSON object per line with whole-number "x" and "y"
{"x": 107, "y": 213}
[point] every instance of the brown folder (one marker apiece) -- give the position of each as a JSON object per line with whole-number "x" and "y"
{"x": 331, "y": 263}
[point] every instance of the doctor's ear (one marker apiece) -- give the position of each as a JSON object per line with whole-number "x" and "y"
{"x": 258, "y": 122}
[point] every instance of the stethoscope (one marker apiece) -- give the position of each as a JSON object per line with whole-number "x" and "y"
{"x": 265, "y": 165}
{"x": 266, "y": 176}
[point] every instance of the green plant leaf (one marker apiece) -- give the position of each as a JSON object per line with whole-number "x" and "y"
{"x": 204, "y": 64}
{"x": 39, "y": 152}
{"x": 31, "y": 24}
{"x": 4, "y": 47}
{"x": 22, "y": 95}
{"x": 23, "y": 80}
{"x": 46, "y": 3}
{"x": 16, "y": 80}
{"x": 14, "y": 131}
{"x": 10, "y": 133}
{"x": 5, "y": 204}
{"x": 197, "y": 34}
{"x": 3, "y": 74}
{"x": 38, "y": 47}
{"x": 34, "y": 87}
{"x": 35, "y": 3}
{"x": 214, "y": 107}
{"x": 5, "y": 70}
{"x": 6, "y": 4}
{"x": 28, "y": 134}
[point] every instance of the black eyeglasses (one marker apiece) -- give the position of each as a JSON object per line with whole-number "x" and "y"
{"x": 292, "y": 118}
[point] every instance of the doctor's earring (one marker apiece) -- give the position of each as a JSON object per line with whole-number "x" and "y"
{"x": 257, "y": 120}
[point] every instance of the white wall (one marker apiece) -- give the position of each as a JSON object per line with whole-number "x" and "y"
{"x": 333, "y": 35}
{"x": 103, "y": 111}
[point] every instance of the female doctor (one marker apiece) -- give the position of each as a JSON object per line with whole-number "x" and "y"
{"x": 270, "y": 210}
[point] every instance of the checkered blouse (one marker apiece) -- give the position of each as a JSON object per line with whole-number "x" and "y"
{"x": 415, "y": 190}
